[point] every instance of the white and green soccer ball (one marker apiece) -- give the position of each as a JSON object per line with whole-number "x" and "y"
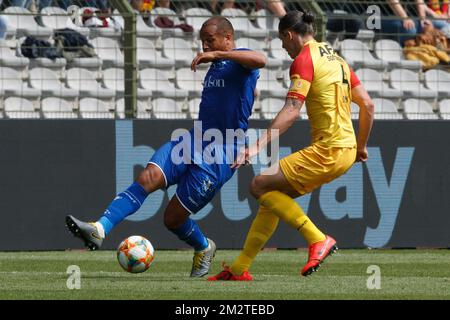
{"x": 135, "y": 254}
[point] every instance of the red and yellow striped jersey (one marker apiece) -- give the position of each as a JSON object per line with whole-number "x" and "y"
{"x": 322, "y": 79}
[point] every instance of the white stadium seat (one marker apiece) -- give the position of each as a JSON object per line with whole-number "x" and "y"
{"x": 180, "y": 50}
{"x": 241, "y": 23}
{"x": 20, "y": 108}
{"x": 9, "y": 59}
{"x": 94, "y": 108}
{"x": 23, "y": 22}
{"x": 156, "y": 82}
{"x": 56, "y": 108}
{"x": 390, "y": 51}
{"x": 108, "y": 50}
{"x": 147, "y": 55}
{"x": 270, "y": 107}
{"x": 164, "y": 108}
{"x": 444, "y": 109}
{"x": 439, "y": 81}
{"x": 84, "y": 81}
{"x": 196, "y": 17}
{"x": 48, "y": 82}
{"x": 408, "y": 82}
{"x": 114, "y": 78}
{"x": 58, "y": 18}
{"x": 269, "y": 86}
{"x": 259, "y": 46}
{"x": 374, "y": 84}
{"x": 416, "y": 109}
{"x": 386, "y": 109}
{"x": 357, "y": 54}
{"x": 12, "y": 85}
{"x": 191, "y": 81}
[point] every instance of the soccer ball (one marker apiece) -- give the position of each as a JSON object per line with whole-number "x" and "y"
{"x": 135, "y": 254}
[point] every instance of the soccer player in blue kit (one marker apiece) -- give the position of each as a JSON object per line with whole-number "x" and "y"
{"x": 227, "y": 101}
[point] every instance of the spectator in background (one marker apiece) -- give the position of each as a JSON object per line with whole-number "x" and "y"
{"x": 438, "y": 10}
{"x": 403, "y": 28}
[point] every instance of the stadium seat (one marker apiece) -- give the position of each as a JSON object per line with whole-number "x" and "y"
{"x": 164, "y": 108}
{"x": 416, "y": 109}
{"x": 270, "y": 107}
{"x": 194, "y": 107}
{"x": 56, "y": 108}
{"x": 269, "y": 86}
{"x": 57, "y": 18}
{"x": 156, "y": 82}
{"x": 84, "y": 81}
{"x": 172, "y": 15}
{"x": 12, "y": 85}
{"x": 408, "y": 82}
{"x": 196, "y": 17}
{"x": 259, "y": 46}
{"x": 373, "y": 83}
{"x": 444, "y": 109}
{"x": 386, "y": 109}
{"x": 146, "y": 31}
{"x": 180, "y": 50}
{"x": 354, "y": 109}
{"x": 48, "y": 82}
{"x": 357, "y": 55}
{"x": 108, "y": 50}
{"x": 390, "y": 51}
{"x": 9, "y": 59}
{"x": 147, "y": 55}
{"x": 23, "y": 22}
{"x": 191, "y": 81}
{"x": 93, "y": 108}
{"x": 276, "y": 51}
{"x": 142, "y": 112}
{"x": 242, "y": 24}
{"x": 267, "y": 21}
{"x": 439, "y": 81}
{"x": 114, "y": 78}
{"x": 20, "y": 108}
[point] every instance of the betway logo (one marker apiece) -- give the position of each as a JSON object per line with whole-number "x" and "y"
{"x": 386, "y": 188}
{"x": 214, "y": 83}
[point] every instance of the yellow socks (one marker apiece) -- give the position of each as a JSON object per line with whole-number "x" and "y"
{"x": 289, "y": 211}
{"x": 260, "y": 231}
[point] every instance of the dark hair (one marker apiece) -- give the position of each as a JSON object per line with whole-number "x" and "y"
{"x": 223, "y": 24}
{"x": 299, "y": 22}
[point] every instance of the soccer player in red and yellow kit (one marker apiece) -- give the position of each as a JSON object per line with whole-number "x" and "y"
{"x": 324, "y": 81}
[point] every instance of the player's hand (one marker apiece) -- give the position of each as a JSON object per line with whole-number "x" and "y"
{"x": 408, "y": 24}
{"x": 204, "y": 57}
{"x": 244, "y": 156}
{"x": 361, "y": 155}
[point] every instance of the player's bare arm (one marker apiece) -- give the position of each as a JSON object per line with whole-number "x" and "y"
{"x": 282, "y": 122}
{"x": 247, "y": 58}
{"x": 366, "y": 109}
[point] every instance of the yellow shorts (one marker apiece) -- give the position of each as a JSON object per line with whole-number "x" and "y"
{"x": 309, "y": 168}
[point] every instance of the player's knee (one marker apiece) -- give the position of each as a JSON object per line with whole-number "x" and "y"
{"x": 172, "y": 221}
{"x": 255, "y": 187}
{"x": 149, "y": 179}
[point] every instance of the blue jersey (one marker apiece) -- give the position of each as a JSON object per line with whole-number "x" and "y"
{"x": 228, "y": 96}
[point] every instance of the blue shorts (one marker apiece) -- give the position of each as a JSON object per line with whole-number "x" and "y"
{"x": 197, "y": 184}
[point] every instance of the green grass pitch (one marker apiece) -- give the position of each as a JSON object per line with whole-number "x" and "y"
{"x": 405, "y": 274}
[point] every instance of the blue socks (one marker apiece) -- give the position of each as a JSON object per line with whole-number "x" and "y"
{"x": 129, "y": 201}
{"x": 126, "y": 203}
{"x": 190, "y": 233}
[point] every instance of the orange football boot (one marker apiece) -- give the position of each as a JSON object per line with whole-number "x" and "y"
{"x": 317, "y": 253}
{"x": 227, "y": 275}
